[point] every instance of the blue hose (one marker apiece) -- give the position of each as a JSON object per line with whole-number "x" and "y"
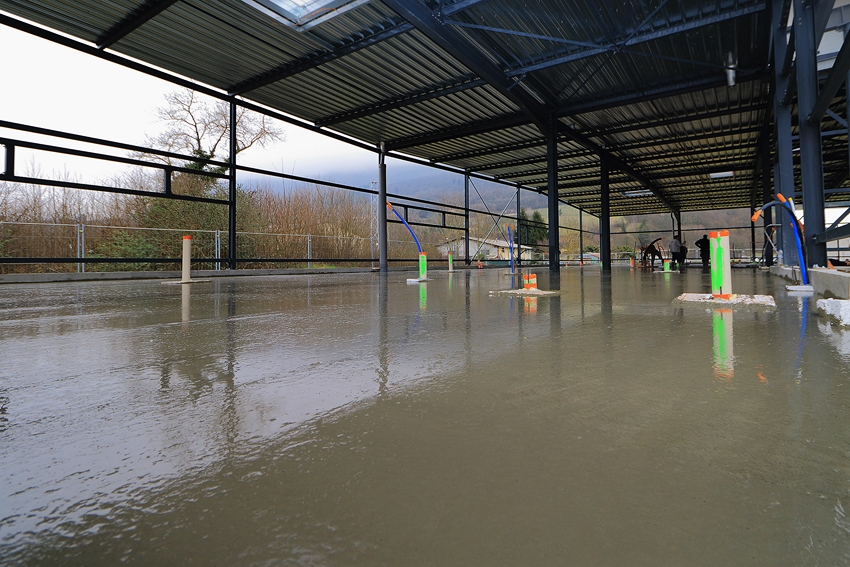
{"x": 416, "y": 240}
{"x": 511, "y": 244}
{"x": 798, "y": 235}
{"x": 803, "y": 268}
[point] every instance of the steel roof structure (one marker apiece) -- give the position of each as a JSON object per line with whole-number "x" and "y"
{"x": 670, "y": 96}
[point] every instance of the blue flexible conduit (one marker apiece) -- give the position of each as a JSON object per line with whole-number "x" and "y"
{"x": 416, "y": 240}
{"x": 804, "y": 272}
{"x": 511, "y": 244}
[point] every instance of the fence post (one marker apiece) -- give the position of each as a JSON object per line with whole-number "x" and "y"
{"x": 309, "y": 251}
{"x": 78, "y": 248}
{"x": 217, "y": 249}
{"x": 9, "y": 170}
{"x": 83, "y": 247}
{"x": 187, "y": 259}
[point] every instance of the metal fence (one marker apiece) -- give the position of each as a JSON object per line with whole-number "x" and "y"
{"x": 27, "y": 247}
{"x": 53, "y": 247}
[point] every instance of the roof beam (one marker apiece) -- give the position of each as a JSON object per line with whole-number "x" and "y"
{"x": 469, "y": 129}
{"x": 641, "y": 38}
{"x": 314, "y": 60}
{"x": 657, "y": 175}
{"x": 577, "y": 181}
{"x": 536, "y": 160}
{"x": 134, "y": 19}
{"x": 687, "y": 139}
{"x": 459, "y": 48}
{"x": 616, "y": 163}
{"x": 682, "y": 119}
{"x": 539, "y": 175}
{"x": 405, "y": 100}
{"x": 487, "y": 151}
{"x": 678, "y": 88}
{"x": 388, "y": 31}
{"x": 742, "y": 149}
{"x": 400, "y": 101}
{"x": 837, "y": 76}
{"x": 714, "y": 165}
{"x": 506, "y": 148}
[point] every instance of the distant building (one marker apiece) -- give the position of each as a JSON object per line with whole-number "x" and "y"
{"x": 488, "y": 249}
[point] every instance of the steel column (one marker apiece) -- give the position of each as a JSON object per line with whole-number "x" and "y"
{"x": 811, "y": 156}
{"x": 466, "y": 217}
{"x": 552, "y": 189}
{"x": 518, "y": 239}
{"x": 382, "y": 210}
{"x": 766, "y": 195}
{"x": 847, "y": 98}
{"x": 753, "y": 237}
{"x": 783, "y": 178}
{"x": 10, "y": 160}
{"x": 231, "y": 217}
{"x": 605, "y": 217}
{"x": 580, "y": 238}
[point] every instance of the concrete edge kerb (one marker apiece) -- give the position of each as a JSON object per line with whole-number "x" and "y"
{"x": 826, "y": 283}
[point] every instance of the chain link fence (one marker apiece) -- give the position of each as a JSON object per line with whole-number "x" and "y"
{"x": 53, "y": 247}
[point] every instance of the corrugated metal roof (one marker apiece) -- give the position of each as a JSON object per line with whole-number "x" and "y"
{"x": 469, "y": 83}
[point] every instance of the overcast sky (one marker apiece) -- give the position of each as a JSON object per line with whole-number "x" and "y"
{"x": 51, "y": 86}
{"x": 55, "y": 87}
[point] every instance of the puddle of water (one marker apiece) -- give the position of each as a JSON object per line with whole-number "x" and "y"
{"x": 325, "y": 420}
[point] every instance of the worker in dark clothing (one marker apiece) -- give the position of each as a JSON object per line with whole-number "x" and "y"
{"x": 704, "y": 246}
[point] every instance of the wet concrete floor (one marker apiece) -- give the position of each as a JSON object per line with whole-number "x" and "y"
{"x": 353, "y": 419}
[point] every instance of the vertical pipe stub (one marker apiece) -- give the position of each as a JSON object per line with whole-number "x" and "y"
{"x": 423, "y": 266}
{"x": 187, "y": 259}
{"x": 721, "y": 266}
{"x": 451, "y": 262}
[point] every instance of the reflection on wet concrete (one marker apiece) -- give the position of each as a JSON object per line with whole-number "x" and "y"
{"x": 724, "y": 358}
{"x": 607, "y": 302}
{"x": 332, "y": 420}
{"x": 383, "y": 334}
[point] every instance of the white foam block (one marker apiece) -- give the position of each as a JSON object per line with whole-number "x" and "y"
{"x": 837, "y": 308}
{"x": 530, "y": 292}
{"x": 756, "y": 300}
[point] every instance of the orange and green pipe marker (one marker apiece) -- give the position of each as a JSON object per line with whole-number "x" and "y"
{"x": 721, "y": 267}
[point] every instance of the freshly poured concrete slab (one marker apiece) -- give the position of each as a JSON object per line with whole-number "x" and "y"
{"x": 341, "y": 419}
{"x": 735, "y": 300}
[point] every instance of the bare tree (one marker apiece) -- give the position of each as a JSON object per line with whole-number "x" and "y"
{"x": 197, "y": 127}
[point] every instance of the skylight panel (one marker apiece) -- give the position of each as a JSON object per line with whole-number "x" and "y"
{"x": 303, "y": 14}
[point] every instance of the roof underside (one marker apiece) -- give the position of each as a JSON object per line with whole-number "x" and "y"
{"x": 475, "y": 84}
